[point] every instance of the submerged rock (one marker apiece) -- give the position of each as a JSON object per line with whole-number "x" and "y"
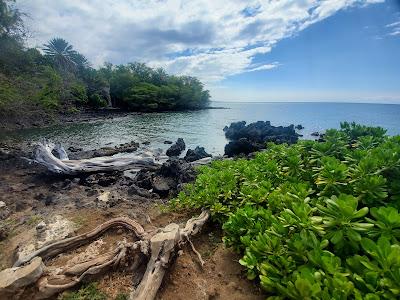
{"x": 299, "y": 127}
{"x": 196, "y": 154}
{"x": 245, "y": 139}
{"x": 177, "y": 148}
{"x": 105, "y": 151}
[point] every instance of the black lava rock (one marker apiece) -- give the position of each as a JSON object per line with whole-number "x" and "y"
{"x": 196, "y": 154}
{"x": 245, "y": 139}
{"x": 177, "y": 148}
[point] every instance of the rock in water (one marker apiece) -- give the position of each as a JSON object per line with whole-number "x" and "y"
{"x": 196, "y": 154}
{"x": 77, "y": 153}
{"x": 177, "y": 148}
{"x": 245, "y": 139}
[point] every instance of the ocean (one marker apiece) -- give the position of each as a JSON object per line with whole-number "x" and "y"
{"x": 205, "y": 127}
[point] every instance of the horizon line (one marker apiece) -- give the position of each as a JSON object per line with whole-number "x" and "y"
{"x": 311, "y": 101}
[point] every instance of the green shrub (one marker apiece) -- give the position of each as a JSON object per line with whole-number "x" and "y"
{"x": 49, "y": 95}
{"x": 97, "y": 101}
{"x": 314, "y": 220}
{"x": 86, "y": 292}
{"x": 78, "y": 91}
{"x": 8, "y": 93}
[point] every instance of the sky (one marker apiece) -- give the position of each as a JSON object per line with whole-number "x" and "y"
{"x": 254, "y": 50}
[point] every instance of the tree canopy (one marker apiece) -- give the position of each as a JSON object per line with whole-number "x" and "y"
{"x": 58, "y": 77}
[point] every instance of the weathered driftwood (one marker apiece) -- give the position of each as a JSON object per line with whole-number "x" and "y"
{"x": 157, "y": 248}
{"x": 163, "y": 246}
{"x": 43, "y": 155}
{"x": 76, "y": 241}
{"x": 61, "y": 164}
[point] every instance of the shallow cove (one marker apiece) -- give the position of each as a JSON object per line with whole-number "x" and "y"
{"x": 205, "y": 127}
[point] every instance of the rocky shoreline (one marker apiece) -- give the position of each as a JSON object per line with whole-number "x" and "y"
{"x": 43, "y": 119}
{"x": 38, "y": 206}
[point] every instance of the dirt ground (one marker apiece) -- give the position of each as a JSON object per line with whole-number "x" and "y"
{"x": 31, "y": 195}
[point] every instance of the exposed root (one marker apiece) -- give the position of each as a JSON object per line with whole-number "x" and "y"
{"x": 195, "y": 251}
{"x": 76, "y": 241}
{"x": 158, "y": 247}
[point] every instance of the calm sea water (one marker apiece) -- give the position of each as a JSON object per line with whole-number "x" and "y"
{"x": 204, "y": 128}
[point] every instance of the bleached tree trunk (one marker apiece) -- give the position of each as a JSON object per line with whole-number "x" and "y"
{"x": 43, "y": 155}
{"x": 157, "y": 247}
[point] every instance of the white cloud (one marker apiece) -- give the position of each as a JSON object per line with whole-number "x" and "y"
{"x": 210, "y": 39}
{"x": 394, "y": 28}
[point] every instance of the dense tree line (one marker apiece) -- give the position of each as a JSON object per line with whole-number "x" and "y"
{"x": 59, "y": 78}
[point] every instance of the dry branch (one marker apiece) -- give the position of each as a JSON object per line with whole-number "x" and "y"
{"x": 160, "y": 247}
{"x": 163, "y": 246}
{"x": 43, "y": 155}
{"x": 76, "y": 241}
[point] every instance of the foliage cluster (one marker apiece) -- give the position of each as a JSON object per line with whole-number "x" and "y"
{"x": 314, "y": 220}
{"x": 61, "y": 78}
{"x": 86, "y": 292}
{"x": 137, "y": 86}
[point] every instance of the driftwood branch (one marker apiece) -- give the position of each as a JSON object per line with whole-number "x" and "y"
{"x": 76, "y": 241}
{"x": 163, "y": 246}
{"x": 158, "y": 248}
{"x": 43, "y": 155}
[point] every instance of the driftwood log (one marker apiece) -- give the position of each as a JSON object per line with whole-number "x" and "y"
{"x": 156, "y": 248}
{"x": 44, "y": 154}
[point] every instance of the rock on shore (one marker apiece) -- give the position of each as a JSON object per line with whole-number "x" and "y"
{"x": 177, "y": 148}
{"x": 196, "y": 154}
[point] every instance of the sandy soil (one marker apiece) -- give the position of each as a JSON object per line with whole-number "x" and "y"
{"x": 32, "y": 195}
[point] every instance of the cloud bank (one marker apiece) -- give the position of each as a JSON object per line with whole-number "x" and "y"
{"x": 210, "y": 39}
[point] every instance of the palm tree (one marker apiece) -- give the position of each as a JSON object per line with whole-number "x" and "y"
{"x": 80, "y": 60}
{"x": 61, "y": 52}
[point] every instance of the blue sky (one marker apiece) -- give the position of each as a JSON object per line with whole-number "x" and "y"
{"x": 352, "y": 56}
{"x": 254, "y": 50}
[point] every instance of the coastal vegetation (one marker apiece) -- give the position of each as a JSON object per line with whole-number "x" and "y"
{"x": 312, "y": 220}
{"x": 57, "y": 78}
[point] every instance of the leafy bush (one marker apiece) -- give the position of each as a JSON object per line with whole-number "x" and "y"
{"x": 49, "y": 95}
{"x": 86, "y": 292}
{"x": 314, "y": 220}
{"x": 97, "y": 101}
{"x": 78, "y": 91}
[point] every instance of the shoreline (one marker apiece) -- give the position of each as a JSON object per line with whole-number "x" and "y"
{"x": 44, "y": 120}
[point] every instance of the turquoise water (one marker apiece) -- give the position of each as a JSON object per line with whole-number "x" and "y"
{"x": 204, "y": 128}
